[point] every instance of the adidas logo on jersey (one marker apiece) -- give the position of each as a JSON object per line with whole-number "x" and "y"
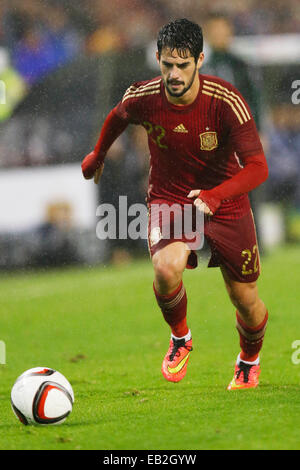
{"x": 180, "y": 128}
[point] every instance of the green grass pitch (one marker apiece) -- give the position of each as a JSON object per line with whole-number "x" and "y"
{"x": 102, "y": 329}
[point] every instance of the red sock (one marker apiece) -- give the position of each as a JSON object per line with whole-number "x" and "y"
{"x": 251, "y": 338}
{"x": 173, "y": 307}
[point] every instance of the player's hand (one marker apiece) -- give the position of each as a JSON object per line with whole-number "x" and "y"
{"x": 201, "y": 205}
{"x": 92, "y": 167}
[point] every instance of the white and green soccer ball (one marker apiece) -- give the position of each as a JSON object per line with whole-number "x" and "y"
{"x": 42, "y": 396}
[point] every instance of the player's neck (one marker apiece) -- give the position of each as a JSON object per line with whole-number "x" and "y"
{"x": 189, "y": 97}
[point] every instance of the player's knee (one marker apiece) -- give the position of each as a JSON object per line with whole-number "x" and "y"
{"x": 167, "y": 271}
{"x": 245, "y": 297}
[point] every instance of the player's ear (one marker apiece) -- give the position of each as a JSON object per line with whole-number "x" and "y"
{"x": 200, "y": 60}
{"x": 157, "y": 57}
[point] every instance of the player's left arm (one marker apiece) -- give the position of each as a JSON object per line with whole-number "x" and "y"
{"x": 246, "y": 143}
{"x": 254, "y": 173}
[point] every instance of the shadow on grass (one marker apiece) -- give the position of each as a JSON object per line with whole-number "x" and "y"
{"x": 214, "y": 391}
{"x": 279, "y": 387}
{"x": 30, "y": 428}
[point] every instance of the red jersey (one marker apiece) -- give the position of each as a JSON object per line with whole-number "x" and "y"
{"x": 197, "y": 146}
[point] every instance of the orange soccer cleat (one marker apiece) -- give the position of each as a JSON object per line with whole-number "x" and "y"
{"x": 245, "y": 376}
{"x": 176, "y": 360}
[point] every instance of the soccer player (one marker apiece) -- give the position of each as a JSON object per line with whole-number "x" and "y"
{"x": 205, "y": 152}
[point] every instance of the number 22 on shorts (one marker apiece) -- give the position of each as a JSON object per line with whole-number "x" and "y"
{"x": 250, "y": 255}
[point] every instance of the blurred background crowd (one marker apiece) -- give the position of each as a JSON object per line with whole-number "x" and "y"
{"x": 64, "y": 28}
{"x": 64, "y": 64}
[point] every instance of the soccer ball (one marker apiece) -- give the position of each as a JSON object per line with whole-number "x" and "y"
{"x": 42, "y": 396}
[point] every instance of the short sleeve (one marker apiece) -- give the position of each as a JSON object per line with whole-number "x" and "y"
{"x": 128, "y": 109}
{"x": 240, "y": 126}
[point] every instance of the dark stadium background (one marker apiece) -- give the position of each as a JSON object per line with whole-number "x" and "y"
{"x": 66, "y": 64}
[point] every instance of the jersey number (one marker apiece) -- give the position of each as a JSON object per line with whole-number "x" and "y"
{"x": 156, "y": 133}
{"x": 248, "y": 255}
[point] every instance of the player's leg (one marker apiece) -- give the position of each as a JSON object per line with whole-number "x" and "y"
{"x": 169, "y": 263}
{"x": 235, "y": 250}
{"x": 251, "y": 309}
{"x": 251, "y": 322}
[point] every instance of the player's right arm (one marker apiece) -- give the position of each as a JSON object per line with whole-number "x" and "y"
{"x": 113, "y": 126}
{"x": 126, "y": 112}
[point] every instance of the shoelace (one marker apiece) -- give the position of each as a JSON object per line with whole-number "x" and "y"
{"x": 177, "y": 344}
{"x": 245, "y": 368}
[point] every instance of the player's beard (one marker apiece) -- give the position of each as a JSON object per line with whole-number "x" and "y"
{"x": 185, "y": 89}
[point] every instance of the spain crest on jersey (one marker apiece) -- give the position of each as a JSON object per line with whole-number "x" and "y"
{"x": 208, "y": 140}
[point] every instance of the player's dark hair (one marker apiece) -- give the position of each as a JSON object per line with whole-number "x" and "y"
{"x": 182, "y": 35}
